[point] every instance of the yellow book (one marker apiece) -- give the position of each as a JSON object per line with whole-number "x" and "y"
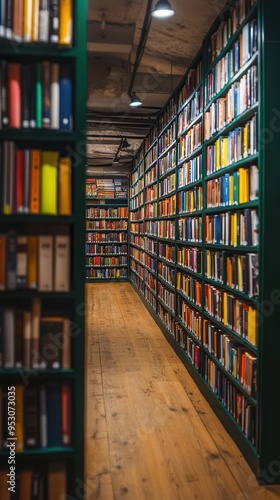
{"x": 235, "y": 220}
{"x": 252, "y": 326}
{"x": 35, "y": 21}
{"x": 27, "y": 20}
{"x": 32, "y": 256}
{"x": 225, "y": 152}
{"x": 239, "y": 273}
{"x": 225, "y": 315}
{"x": 218, "y": 154}
{"x": 49, "y": 182}
{"x": 65, "y": 22}
{"x": 241, "y": 185}
{"x": 65, "y": 187}
{"x": 246, "y": 186}
{"x": 245, "y": 140}
{"x": 19, "y": 423}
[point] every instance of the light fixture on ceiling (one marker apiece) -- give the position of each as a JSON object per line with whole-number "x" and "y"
{"x": 162, "y": 9}
{"x": 125, "y": 143}
{"x": 135, "y": 100}
{"x": 116, "y": 161}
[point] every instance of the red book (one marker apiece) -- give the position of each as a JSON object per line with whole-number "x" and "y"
{"x": 19, "y": 181}
{"x": 14, "y": 71}
{"x": 66, "y": 413}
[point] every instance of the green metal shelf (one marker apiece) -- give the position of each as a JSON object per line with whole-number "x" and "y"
{"x": 187, "y": 187}
{"x": 248, "y": 160}
{"x": 189, "y": 301}
{"x": 192, "y": 123}
{"x": 231, "y": 290}
{"x": 232, "y": 208}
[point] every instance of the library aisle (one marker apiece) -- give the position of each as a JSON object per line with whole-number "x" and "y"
{"x": 149, "y": 432}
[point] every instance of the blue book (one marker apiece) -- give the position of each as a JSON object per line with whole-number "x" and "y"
{"x": 65, "y": 99}
{"x": 54, "y": 427}
{"x": 11, "y": 261}
{"x": 226, "y": 190}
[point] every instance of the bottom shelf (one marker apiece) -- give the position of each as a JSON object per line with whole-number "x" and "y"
{"x": 225, "y": 417}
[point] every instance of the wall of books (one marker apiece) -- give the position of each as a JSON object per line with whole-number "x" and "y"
{"x": 200, "y": 204}
{"x": 106, "y": 246}
{"x": 42, "y": 116}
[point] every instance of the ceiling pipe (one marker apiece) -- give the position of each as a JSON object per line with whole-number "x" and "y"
{"x": 141, "y": 45}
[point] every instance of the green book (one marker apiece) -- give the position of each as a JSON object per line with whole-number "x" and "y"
{"x": 39, "y": 96}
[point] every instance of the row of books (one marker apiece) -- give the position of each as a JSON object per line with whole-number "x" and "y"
{"x": 190, "y": 229}
{"x": 151, "y": 193}
{"x": 167, "y": 206}
{"x": 228, "y": 26}
{"x": 191, "y": 258}
{"x": 233, "y": 357}
{"x": 168, "y": 113}
{"x": 151, "y": 175}
{"x": 190, "y": 317}
{"x": 187, "y": 343}
{"x": 237, "y": 271}
{"x": 100, "y": 261}
{"x": 144, "y": 258}
{"x": 233, "y": 228}
{"x": 167, "y": 138}
{"x": 190, "y": 171}
{"x": 34, "y": 181}
{"x": 167, "y": 297}
{"x": 30, "y": 340}
{"x": 37, "y": 482}
{"x": 36, "y": 95}
{"x": 224, "y": 70}
{"x": 167, "y": 273}
{"x": 241, "y": 96}
{"x": 137, "y": 187}
{"x": 92, "y": 249}
{"x": 43, "y": 416}
{"x": 106, "y": 188}
{"x": 40, "y": 262}
{"x": 167, "y": 185}
{"x": 190, "y": 201}
{"x": 166, "y": 251}
{"x": 151, "y": 210}
{"x": 45, "y": 21}
{"x": 97, "y": 237}
{"x": 106, "y": 273}
{"x": 232, "y": 312}
{"x": 150, "y": 156}
{"x": 232, "y": 189}
{"x": 106, "y": 224}
{"x": 190, "y": 286}
{"x": 167, "y": 319}
{"x": 107, "y": 213}
{"x": 190, "y": 111}
{"x": 243, "y": 412}
{"x": 167, "y": 162}
{"x": 193, "y": 79}
{"x": 191, "y": 141}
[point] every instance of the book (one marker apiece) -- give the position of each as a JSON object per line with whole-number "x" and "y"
{"x": 25, "y": 94}
{"x": 32, "y": 259}
{"x": 54, "y": 83}
{"x": 27, "y": 168}
{"x": 35, "y": 174}
{"x": 14, "y": 93}
{"x": 35, "y": 21}
{"x": 39, "y": 95}
{"x": 27, "y": 339}
{"x": 17, "y": 20}
{"x": 4, "y": 89}
{"x": 31, "y": 417}
{"x": 35, "y": 333}
{"x": 19, "y": 175}
{"x": 65, "y": 22}
{"x": 11, "y": 261}
{"x": 46, "y": 91}
{"x": 25, "y": 484}
{"x": 3, "y": 243}
{"x": 21, "y": 262}
{"x": 65, "y": 100}
{"x": 18, "y": 338}
{"x": 19, "y": 417}
{"x": 27, "y": 20}
{"x": 44, "y": 21}
{"x": 9, "y": 337}
{"x": 45, "y": 263}
{"x": 43, "y": 416}
{"x": 54, "y": 21}
{"x": 65, "y": 186}
{"x": 61, "y": 263}
{"x": 54, "y": 420}
{"x": 57, "y": 480}
{"x": 49, "y": 182}
{"x": 51, "y": 342}
{"x": 66, "y": 414}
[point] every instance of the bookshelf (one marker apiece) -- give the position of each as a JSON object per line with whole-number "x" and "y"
{"x": 42, "y": 217}
{"x": 106, "y": 229}
{"x": 202, "y": 212}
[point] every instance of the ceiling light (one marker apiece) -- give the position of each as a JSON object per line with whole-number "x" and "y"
{"x": 125, "y": 143}
{"x": 116, "y": 160}
{"x": 162, "y": 9}
{"x": 135, "y": 100}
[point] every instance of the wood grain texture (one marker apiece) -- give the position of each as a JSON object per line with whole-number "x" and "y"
{"x": 150, "y": 435}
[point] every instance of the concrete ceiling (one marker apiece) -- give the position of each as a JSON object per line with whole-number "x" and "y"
{"x": 114, "y": 32}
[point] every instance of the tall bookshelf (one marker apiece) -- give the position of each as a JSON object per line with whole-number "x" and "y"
{"x": 106, "y": 248}
{"x": 61, "y": 462}
{"x": 203, "y": 251}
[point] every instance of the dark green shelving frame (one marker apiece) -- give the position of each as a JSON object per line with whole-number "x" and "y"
{"x": 76, "y": 57}
{"x": 265, "y": 458}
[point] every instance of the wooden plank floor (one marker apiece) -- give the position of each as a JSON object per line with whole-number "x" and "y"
{"x": 150, "y": 435}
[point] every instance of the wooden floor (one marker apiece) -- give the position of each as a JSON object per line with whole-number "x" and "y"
{"x": 150, "y": 435}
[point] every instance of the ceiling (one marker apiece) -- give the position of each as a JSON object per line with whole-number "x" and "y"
{"x": 128, "y": 49}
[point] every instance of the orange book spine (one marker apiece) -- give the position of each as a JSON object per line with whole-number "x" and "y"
{"x": 14, "y": 79}
{"x": 35, "y": 181}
